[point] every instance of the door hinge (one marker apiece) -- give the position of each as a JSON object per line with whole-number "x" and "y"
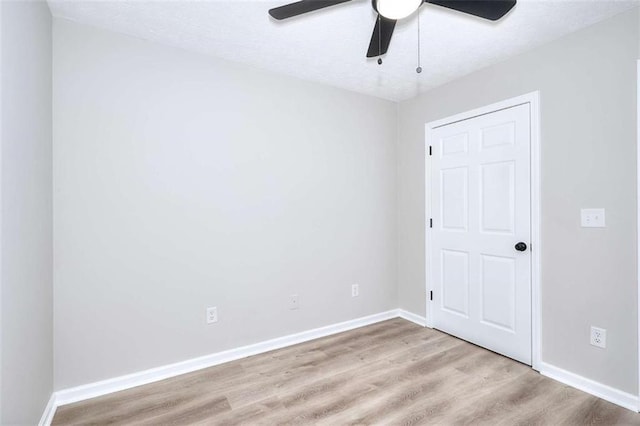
{"x": 430, "y": 223}
{"x": 430, "y": 150}
{"x": 431, "y": 295}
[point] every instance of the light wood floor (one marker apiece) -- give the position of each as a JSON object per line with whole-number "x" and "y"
{"x": 391, "y": 373}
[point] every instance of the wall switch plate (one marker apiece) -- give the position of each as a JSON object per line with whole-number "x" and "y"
{"x": 212, "y": 315}
{"x": 598, "y": 337}
{"x": 293, "y": 302}
{"x": 355, "y": 290}
{"x": 592, "y": 218}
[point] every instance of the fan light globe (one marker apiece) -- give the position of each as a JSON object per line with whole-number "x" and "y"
{"x": 397, "y": 9}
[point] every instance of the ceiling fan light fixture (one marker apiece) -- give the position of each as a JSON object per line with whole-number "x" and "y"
{"x": 397, "y": 9}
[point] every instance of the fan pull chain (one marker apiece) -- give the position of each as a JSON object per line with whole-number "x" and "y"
{"x": 379, "y": 40}
{"x": 419, "y": 69}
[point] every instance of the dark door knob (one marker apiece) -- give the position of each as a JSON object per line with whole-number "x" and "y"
{"x": 521, "y": 246}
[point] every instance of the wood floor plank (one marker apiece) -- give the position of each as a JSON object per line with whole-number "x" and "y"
{"x": 393, "y": 372}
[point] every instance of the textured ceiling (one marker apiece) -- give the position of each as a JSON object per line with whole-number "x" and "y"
{"x": 329, "y": 46}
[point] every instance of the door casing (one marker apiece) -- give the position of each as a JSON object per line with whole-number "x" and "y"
{"x": 533, "y": 99}
{"x": 638, "y": 213}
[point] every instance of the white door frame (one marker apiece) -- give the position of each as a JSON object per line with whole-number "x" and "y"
{"x": 533, "y": 99}
{"x": 638, "y": 213}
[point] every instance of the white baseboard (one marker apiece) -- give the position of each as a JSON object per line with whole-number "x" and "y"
{"x": 410, "y": 316}
{"x": 92, "y": 390}
{"x": 600, "y": 390}
{"x": 49, "y": 411}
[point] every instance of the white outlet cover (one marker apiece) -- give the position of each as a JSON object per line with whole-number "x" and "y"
{"x": 592, "y": 218}
{"x": 355, "y": 290}
{"x": 293, "y": 302}
{"x": 598, "y": 337}
{"x": 212, "y": 315}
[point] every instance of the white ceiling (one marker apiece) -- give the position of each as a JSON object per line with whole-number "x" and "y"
{"x": 329, "y": 46}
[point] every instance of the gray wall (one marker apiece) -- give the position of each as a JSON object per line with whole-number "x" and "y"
{"x": 26, "y": 224}
{"x": 182, "y": 182}
{"x": 587, "y": 83}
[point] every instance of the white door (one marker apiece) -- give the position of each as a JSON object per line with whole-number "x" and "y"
{"x": 481, "y": 199}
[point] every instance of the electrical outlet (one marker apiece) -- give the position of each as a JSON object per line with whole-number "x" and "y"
{"x": 355, "y": 290}
{"x": 293, "y": 302}
{"x": 592, "y": 218}
{"x": 598, "y": 337}
{"x": 212, "y": 315}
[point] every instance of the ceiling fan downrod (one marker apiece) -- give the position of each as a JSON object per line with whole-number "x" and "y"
{"x": 379, "y": 42}
{"x": 419, "y": 68}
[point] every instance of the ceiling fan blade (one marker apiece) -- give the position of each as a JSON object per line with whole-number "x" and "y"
{"x": 300, "y": 7}
{"x": 487, "y": 9}
{"x": 381, "y": 37}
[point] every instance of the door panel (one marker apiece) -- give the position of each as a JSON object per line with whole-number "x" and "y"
{"x": 497, "y": 281}
{"x": 497, "y": 197}
{"x": 454, "y": 198}
{"x": 455, "y": 282}
{"x": 456, "y": 144}
{"x": 481, "y": 208}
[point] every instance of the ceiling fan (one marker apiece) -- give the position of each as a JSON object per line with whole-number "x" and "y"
{"x": 390, "y": 11}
